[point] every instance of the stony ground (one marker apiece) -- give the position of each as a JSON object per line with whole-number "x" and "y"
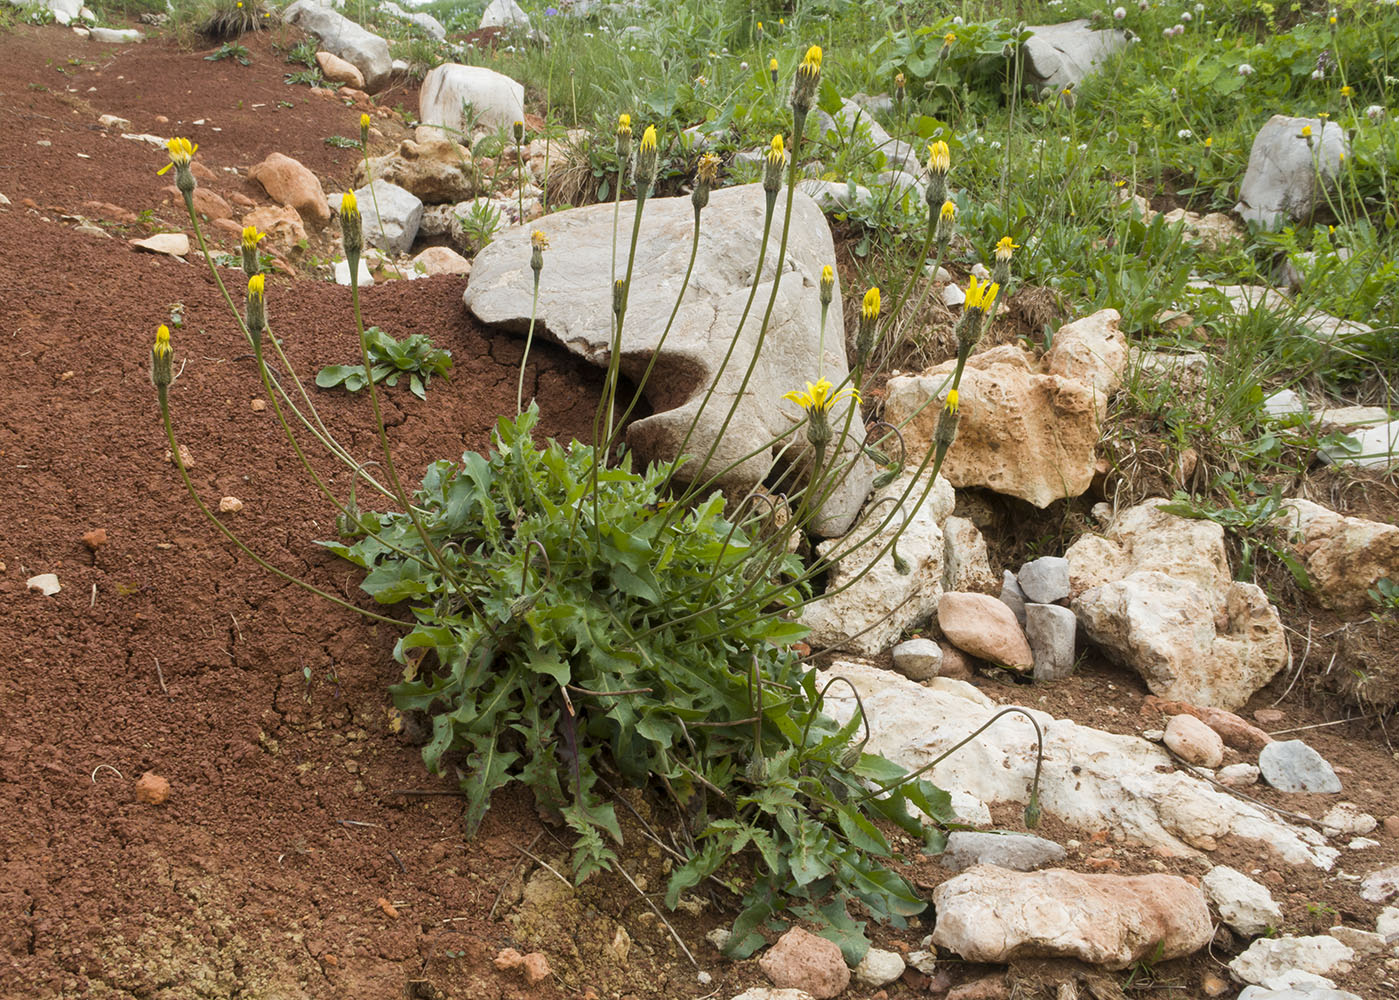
{"x": 302, "y": 850}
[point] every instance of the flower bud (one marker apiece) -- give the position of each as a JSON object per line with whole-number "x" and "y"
{"x": 828, "y": 284}
{"x": 364, "y": 129}
{"x": 352, "y": 230}
{"x": 945, "y": 433}
{"x": 251, "y": 238}
{"x": 517, "y": 132}
{"x": 647, "y": 160}
{"x": 772, "y": 70}
{"x": 807, "y": 80}
{"x": 623, "y": 138}
{"x": 619, "y": 296}
{"x": 869, "y": 326}
{"x": 255, "y": 312}
{"x": 162, "y": 373}
{"x": 772, "y": 171}
{"x": 947, "y": 222}
{"x": 538, "y": 244}
{"x": 181, "y": 153}
{"x": 706, "y": 176}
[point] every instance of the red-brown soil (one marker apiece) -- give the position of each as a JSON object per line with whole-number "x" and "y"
{"x": 285, "y": 863}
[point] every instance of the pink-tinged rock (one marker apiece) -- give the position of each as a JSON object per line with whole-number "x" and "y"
{"x": 1194, "y": 742}
{"x": 800, "y": 960}
{"x": 984, "y": 627}
{"x": 289, "y": 183}
{"x": 152, "y": 789}
{"x": 338, "y": 70}
{"x": 990, "y": 914}
{"x": 442, "y": 260}
{"x": 281, "y": 224}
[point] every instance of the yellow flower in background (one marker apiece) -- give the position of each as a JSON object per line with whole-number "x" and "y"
{"x": 1005, "y": 248}
{"x": 648, "y": 140}
{"x": 251, "y": 237}
{"x": 772, "y": 64}
{"x": 949, "y": 38}
{"x": 818, "y": 398}
{"x": 869, "y": 309}
{"x": 538, "y": 240}
{"x": 951, "y": 405}
{"x": 162, "y": 373}
{"x": 1346, "y": 91}
{"x": 981, "y": 295}
{"x": 257, "y": 285}
{"x": 162, "y": 342}
{"x": 624, "y": 124}
{"x": 1306, "y": 132}
{"x": 760, "y": 27}
{"x": 939, "y": 158}
{"x": 811, "y": 62}
{"x": 708, "y": 169}
{"x": 364, "y": 120}
{"x": 349, "y": 205}
{"x": 777, "y": 155}
{"x": 948, "y": 213}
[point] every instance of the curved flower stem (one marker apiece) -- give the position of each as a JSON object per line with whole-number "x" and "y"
{"x": 229, "y": 534}
{"x": 529, "y": 339}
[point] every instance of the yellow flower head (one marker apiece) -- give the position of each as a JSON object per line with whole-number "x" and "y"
{"x": 899, "y": 81}
{"x": 251, "y": 237}
{"x": 981, "y": 295}
{"x": 939, "y": 158}
{"x": 162, "y": 342}
{"x": 181, "y": 152}
{"x": 869, "y": 309}
{"x": 364, "y": 121}
{"x": 648, "y": 139}
{"x": 951, "y": 405}
{"x": 538, "y": 241}
{"x": 624, "y": 124}
{"x": 948, "y": 212}
{"x": 257, "y": 285}
{"x": 772, "y": 65}
{"x": 811, "y": 62}
{"x": 1005, "y": 248}
{"x": 1346, "y": 91}
{"x": 1331, "y": 19}
{"x": 349, "y": 205}
{"x": 776, "y": 155}
{"x": 1306, "y": 132}
{"x": 818, "y": 398}
{"x": 760, "y": 27}
{"x": 949, "y": 38}
{"x": 1209, "y": 141}
{"x": 828, "y": 275}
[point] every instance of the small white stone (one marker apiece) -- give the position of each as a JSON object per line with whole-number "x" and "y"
{"x": 1362, "y": 844}
{"x": 230, "y": 505}
{"x": 45, "y": 583}
{"x": 879, "y": 967}
{"x": 342, "y": 273}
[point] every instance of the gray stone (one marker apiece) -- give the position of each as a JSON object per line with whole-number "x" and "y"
{"x": 1243, "y": 904}
{"x": 1361, "y": 942}
{"x": 854, "y": 124}
{"x": 1387, "y": 924}
{"x": 575, "y": 310}
{"x": 64, "y": 11}
{"x": 391, "y": 216}
{"x": 1015, "y": 851}
{"x": 346, "y": 39}
{"x": 1045, "y": 580}
{"x": 1287, "y": 173}
{"x": 1284, "y": 403}
{"x": 1314, "y": 993}
{"x": 1050, "y": 630}
{"x": 1373, "y": 447}
{"x": 964, "y": 563}
{"x": 1013, "y": 597}
{"x": 115, "y": 36}
{"x": 769, "y": 993}
{"x": 1272, "y": 962}
{"x": 1061, "y": 55}
{"x": 504, "y": 14}
{"x": 448, "y": 90}
{"x": 421, "y": 20}
{"x": 1238, "y": 775}
{"x": 1380, "y": 886}
{"x": 1292, "y": 766}
{"x": 836, "y": 196}
{"x": 879, "y": 968}
{"x": 918, "y": 659}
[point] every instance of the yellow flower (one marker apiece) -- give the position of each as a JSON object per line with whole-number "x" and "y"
{"x": 538, "y": 240}
{"x": 776, "y": 155}
{"x": 869, "y": 309}
{"x": 349, "y": 205}
{"x": 948, "y": 213}
{"x": 1209, "y": 141}
{"x": 828, "y": 284}
{"x": 949, "y": 38}
{"x": 1346, "y": 91}
{"x": 811, "y": 62}
{"x": 161, "y": 369}
{"x": 257, "y": 285}
{"x": 364, "y": 120}
{"x": 1331, "y": 19}
{"x": 162, "y": 342}
{"x": 899, "y": 81}
{"x": 624, "y": 124}
{"x": 181, "y": 152}
{"x": 981, "y": 295}
{"x": 708, "y": 169}
{"x": 760, "y": 27}
{"x": 951, "y": 405}
{"x": 251, "y": 237}
{"x": 939, "y": 158}
{"x": 1306, "y": 132}
{"x": 648, "y": 139}
{"x": 772, "y": 65}
{"x": 1005, "y": 248}
{"x": 828, "y": 275}
{"x": 818, "y": 398}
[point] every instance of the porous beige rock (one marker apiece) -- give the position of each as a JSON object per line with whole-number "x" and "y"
{"x": 289, "y": 183}
{"x": 152, "y": 789}
{"x": 1027, "y": 429}
{"x": 436, "y": 170}
{"x": 1145, "y": 537}
{"x": 442, "y": 260}
{"x": 1344, "y": 556}
{"x": 282, "y": 225}
{"x": 991, "y": 914}
{"x": 1194, "y": 742}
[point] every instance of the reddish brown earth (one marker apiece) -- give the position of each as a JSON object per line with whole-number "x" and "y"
{"x": 285, "y": 862}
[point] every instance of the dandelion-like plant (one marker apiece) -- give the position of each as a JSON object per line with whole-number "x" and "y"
{"x": 1000, "y": 271}
{"x": 538, "y": 243}
{"x": 251, "y": 238}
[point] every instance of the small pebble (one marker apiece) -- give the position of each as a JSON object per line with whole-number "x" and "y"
{"x": 230, "y": 505}
{"x": 536, "y": 968}
{"x": 95, "y": 539}
{"x": 152, "y": 789}
{"x": 258, "y": 405}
